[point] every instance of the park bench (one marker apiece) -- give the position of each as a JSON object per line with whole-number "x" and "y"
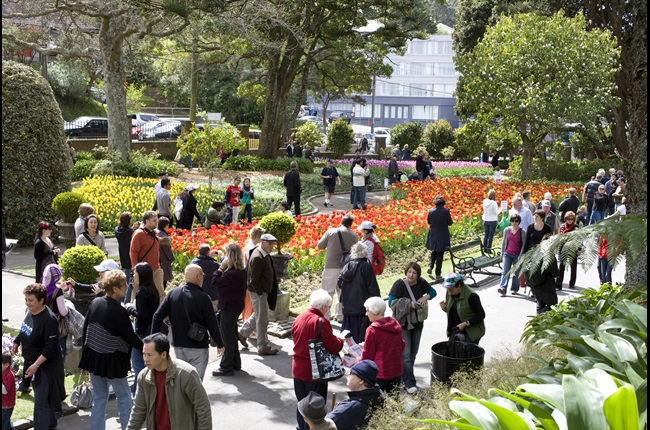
{"x": 466, "y": 264}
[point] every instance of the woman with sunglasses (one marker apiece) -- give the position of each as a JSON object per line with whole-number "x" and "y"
{"x": 513, "y": 241}
{"x": 568, "y": 226}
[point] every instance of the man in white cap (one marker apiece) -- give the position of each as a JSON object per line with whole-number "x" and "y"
{"x": 261, "y": 282}
{"x": 551, "y": 219}
{"x": 102, "y": 268}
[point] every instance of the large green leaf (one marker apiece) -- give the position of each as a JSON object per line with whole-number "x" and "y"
{"x": 539, "y": 410}
{"x": 583, "y": 405}
{"x": 547, "y": 393}
{"x": 457, "y": 424}
{"x": 579, "y": 364}
{"x": 617, "y": 323}
{"x": 623, "y": 349}
{"x": 639, "y": 314}
{"x": 476, "y": 414}
{"x": 601, "y": 349}
{"x": 620, "y": 409}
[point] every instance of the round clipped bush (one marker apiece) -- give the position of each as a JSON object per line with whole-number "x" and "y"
{"x": 282, "y": 226}
{"x": 79, "y": 263}
{"x": 35, "y": 156}
{"x": 66, "y": 205}
{"x": 339, "y": 138}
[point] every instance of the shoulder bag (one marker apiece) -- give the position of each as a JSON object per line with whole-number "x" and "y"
{"x": 82, "y": 396}
{"x": 422, "y": 311}
{"x": 345, "y": 257}
{"x": 75, "y": 321}
{"x": 325, "y": 366}
{"x": 196, "y": 331}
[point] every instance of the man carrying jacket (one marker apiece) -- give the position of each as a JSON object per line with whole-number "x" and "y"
{"x": 166, "y": 383}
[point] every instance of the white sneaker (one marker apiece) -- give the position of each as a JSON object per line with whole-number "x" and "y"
{"x": 412, "y": 390}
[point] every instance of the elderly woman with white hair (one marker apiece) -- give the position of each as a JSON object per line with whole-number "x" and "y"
{"x": 383, "y": 345}
{"x": 547, "y": 196}
{"x": 304, "y": 328}
{"x": 357, "y": 282}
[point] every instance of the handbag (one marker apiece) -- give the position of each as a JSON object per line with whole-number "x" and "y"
{"x": 422, "y": 310}
{"x": 345, "y": 257}
{"x": 325, "y": 366}
{"x": 82, "y": 396}
{"x": 196, "y": 331}
{"x": 503, "y": 223}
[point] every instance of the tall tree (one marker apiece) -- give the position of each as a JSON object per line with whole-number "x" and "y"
{"x": 287, "y": 38}
{"x": 98, "y": 29}
{"x": 534, "y": 74}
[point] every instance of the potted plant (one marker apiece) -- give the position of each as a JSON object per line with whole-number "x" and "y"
{"x": 283, "y": 227}
{"x": 79, "y": 264}
{"x": 66, "y": 206}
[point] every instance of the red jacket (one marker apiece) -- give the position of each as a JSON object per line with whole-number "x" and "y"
{"x": 9, "y": 381}
{"x": 384, "y": 345}
{"x": 144, "y": 245}
{"x": 304, "y": 329}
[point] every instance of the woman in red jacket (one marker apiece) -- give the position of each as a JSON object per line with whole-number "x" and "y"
{"x": 305, "y": 328}
{"x": 383, "y": 345}
{"x": 233, "y": 195}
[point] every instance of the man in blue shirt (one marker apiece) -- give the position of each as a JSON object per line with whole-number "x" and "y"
{"x": 330, "y": 178}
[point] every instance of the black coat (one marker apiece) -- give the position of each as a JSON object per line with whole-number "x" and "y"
{"x": 358, "y": 283}
{"x": 188, "y": 213}
{"x": 292, "y": 183}
{"x": 439, "y": 220}
{"x": 571, "y": 203}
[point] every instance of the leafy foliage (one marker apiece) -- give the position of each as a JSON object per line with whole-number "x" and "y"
{"x": 406, "y": 134}
{"x": 308, "y": 134}
{"x": 34, "y": 158}
{"x": 102, "y": 161}
{"x": 436, "y": 137}
{"x": 66, "y": 205}
{"x": 280, "y": 225}
{"x": 256, "y": 164}
{"x": 66, "y": 81}
{"x": 339, "y": 138}
{"x": 79, "y": 263}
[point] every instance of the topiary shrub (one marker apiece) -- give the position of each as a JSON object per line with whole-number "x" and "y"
{"x": 406, "y": 134}
{"x": 339, "y": 138}
{"x": 282, "y": 226}
{"x": 79, "y": 263}
{"x": 35, "y": 155}
{"x": 66, "y": 205}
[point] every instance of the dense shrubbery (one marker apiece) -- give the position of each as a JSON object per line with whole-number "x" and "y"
{"x": 407, "y": 134}
{"x": 339, "y": 138}
{"x": 35, "y": 156}
{"x": 100, "y": 161}
{"x": 66, "y": 205}
{"x": 566, "y": 171}
{"x": 256, "y": 164}
{"x": 79, "y": 263}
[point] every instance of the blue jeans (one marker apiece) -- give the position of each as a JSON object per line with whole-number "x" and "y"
{"x": 597, "y": 216}
{"x": 137, "y": 361}
{"x": 508, "y": 261}
{"x": 589, "y": 211}
{"x": 100, "y": 398}
{"x": 44, "y": 417}
{"x": 604, "y": 270}
{"x": 6, "y": 419}
{"x": 412, "y": 339}
{"x": 129, "y": 281}
{"x": 188, "y": 158}
{"x": 489, "y": 227}
{"x": 359, "y": 199}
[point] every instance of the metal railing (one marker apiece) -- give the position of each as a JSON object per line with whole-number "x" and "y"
{"x": 167, "y": 111}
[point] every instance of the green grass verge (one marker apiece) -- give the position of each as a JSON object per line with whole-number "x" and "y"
{"x": 25, "y": 401}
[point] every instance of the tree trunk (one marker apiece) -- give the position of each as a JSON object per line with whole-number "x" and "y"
{"x": 110, "y": 39}
{"x": 195, "y": 81}
{"x": 636, "y": 168}
{"x": 526, "y": 156}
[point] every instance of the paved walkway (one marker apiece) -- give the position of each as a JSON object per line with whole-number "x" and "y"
{"x": 261, "y": 396}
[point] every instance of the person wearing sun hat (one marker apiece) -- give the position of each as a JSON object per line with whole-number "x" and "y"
{"x": 365, "y": 397}
{"x": 369, "y": 238}
{"x": 313, "y": 411}
{"x": 465, "y": 314}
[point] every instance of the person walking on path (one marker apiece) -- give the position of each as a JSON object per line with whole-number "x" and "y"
{"x": 571, "y": 203}
{"x": 170, "y": 393}
{"x": 359, "y": 175}
{"x": 189, "y": 211}
{"x": 524, "y": 213}
{"x": 292, "y": 184}
{"x": 600, "y": 205}
{"x": 230, "y": 280}
{"x": 513, "y": 242}
{"x": 303, "y": 329}
{"x": 145, "y": 246}
{"x": 568, "y": 226}
{"x": 490, "y": 218}
{"x": 336, "y": 241}
{"x": 186, "y": 306}
{"x": 254, "y": 239}
{"x": 438, "y": 239}
{"x": 261, "y": 281}
{"x": 330, "y": 177}
{"x": 588, "y": 192}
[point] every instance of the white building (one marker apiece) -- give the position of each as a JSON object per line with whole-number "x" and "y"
{"x": 420, "y": 89}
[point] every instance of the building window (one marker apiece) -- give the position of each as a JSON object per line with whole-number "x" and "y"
{"x": 396, "y": 111}
{"x": 441, "y": 90}
{"x": 424, "y": 112}
{"x": 419, "y": 90}
{"x": 365, "y": 111}
{"x": 387, "y": 89}
{"x": 346, "y": 107}
{"x": 418, "y": 47}
{"x": 421, "y": 69}
{"x": 443, "y": 47}
{"x": 443, "y": 69}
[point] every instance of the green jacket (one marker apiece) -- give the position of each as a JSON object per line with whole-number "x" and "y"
{"x": 476, "y": 330}
{"x": 189, "y": 407}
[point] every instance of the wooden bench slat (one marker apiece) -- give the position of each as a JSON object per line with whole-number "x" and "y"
{"x": 467, "y": 265}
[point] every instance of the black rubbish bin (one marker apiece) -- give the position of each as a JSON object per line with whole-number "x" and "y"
{"x": 448, "y": 357}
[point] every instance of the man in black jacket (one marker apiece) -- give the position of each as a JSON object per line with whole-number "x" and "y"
{"x": 184, "y": 306}
{"x": 292, "y": 184}
{"x": 571, "y": 203}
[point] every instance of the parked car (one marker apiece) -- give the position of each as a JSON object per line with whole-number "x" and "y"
{"x": 339, "y": 115}
{"x": 86, "y": 126}
{"x": 161, "y": 130}
{"x": 381, "y": 131}
{"x": 136, "y": 130}
{"x": 139, "y": 119}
